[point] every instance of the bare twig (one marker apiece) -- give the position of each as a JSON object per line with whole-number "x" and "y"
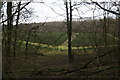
{"x": 15, "y": 12}
{"x": 106, "y": 9}
{"x": 85, "y": 66}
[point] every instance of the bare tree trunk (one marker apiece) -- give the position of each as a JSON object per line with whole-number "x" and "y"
{"x": 9, "y": 27}
{"x": 69, "y": 30}
{"x": 119, "y": 40}
{"x": 70, "y": 34}
{"x": 16, "y": 27}
{"x": 28, "y": 37}
{"x": 7, "y": 49}
{"x": 105, "y": 30}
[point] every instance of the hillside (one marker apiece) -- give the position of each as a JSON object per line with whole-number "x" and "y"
{"x": 78, "y": 26}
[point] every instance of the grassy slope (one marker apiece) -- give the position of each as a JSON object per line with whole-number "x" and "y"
{"x": 88, "y": 39}
{"x": 57, "y": 38}
{"x": 49, "y": 38}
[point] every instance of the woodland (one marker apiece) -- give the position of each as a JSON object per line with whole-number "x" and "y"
{"x": 72, "y": 48}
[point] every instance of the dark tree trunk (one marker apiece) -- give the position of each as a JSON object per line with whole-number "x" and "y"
{"x": 16, "y": 27}
{"x": 9, "y": 28}
{"x": 70, "y": 34}
{"x": 119, "y": 40}
{"x": 69, "y": 30}
{"x": 7, "y": 48}
{"x": 28, "y": 37}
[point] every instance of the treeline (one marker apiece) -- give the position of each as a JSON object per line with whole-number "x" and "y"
{"x": 78, "y": 26}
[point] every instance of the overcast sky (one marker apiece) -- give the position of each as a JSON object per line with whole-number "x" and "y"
{"x": 54, "y": 10}
{"x": 51, "y": 10}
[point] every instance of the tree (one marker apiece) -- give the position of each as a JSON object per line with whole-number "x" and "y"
{"x": 119, "y": 37}
{"x": 69, "y": 29}
{"x": 7, "y": 34}
{"x": 7, "y": 54}
{"x": 16, "y": 12}
{"x": 16, "y": 27}
{"x": 116, "y": 13}
{"x": 9, "y": 27}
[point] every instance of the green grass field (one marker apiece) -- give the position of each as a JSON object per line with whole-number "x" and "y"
{"x": 57, "y": 41}
{"x": 81, "y": 39}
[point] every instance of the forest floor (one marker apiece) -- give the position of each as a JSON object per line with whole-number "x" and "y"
{"x": 57, "y": 66}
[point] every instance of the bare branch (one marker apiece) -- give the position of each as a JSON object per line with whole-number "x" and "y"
{"x": 106, "y": 9}
{"x": 15, "y": 12}
{"x": 109, "y": 52}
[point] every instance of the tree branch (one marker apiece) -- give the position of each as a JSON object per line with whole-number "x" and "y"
{"x": 85, "y": 66}
{"x": 106, "y": 9}
{"x": 15, "y": 12}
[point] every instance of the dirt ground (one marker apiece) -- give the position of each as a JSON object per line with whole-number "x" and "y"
{"x": 57, "y": 66}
